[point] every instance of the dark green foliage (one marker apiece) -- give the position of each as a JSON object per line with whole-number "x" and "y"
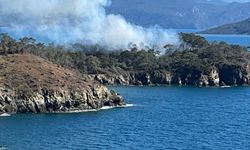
{"x": 194, "y": 41}
{"x": 195, "y": 55}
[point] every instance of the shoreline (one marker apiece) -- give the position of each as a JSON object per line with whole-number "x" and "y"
{"x": 176, "y": 85}
{"x": 95, "y": 110}
{"x": 76, "y": 111}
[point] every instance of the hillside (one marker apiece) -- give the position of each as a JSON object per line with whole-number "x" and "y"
{"x": 194, "y": 62}
{"x": 30, "y": 84}
{"x": 180, "y": 13}
{"x": 242, "y": 27}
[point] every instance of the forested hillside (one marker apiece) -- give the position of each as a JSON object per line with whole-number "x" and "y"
{"x": 193, "y": 59}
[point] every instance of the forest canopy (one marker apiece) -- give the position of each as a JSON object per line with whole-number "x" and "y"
{"x": 195, "y": 53}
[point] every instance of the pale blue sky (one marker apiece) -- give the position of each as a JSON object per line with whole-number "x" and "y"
{"x": 237, "y": 0}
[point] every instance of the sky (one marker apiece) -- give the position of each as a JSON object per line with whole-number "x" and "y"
{"x": 237, "y": 0}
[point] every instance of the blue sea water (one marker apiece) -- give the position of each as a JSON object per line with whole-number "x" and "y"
{"x": 243, "y": 40}
{"x": 163, "y": 118}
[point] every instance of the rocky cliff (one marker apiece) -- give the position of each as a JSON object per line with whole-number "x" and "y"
{"x": 231, "y": 75}
{"x": 30, "y": 84}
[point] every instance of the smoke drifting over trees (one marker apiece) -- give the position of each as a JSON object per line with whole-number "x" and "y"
{"x": 78, "y": 21}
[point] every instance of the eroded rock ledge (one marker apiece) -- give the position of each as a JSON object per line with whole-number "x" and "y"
{"x": 58, "y": 101}
{"x": 30, "y": 84}
{"x": 231, "y": 75}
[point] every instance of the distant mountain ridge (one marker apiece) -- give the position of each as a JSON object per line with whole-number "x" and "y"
{"x": 180, "y": 13}
{"x": 242, "y": 27}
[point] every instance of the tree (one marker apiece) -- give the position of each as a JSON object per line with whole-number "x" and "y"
{"x": 8, "y": 44}
{"x": 93, "y": 64}
{"x": 169, "y": 49}
{"x": 193, "y": 40}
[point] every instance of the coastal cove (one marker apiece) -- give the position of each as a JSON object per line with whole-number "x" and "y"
{"x": 124, "y": 75}
{"x": 58, "y": 79}
{"x": 176, "y": 117}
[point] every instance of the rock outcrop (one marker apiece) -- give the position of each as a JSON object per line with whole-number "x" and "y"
{"x": 217, "y": 76}
{"x": 63, "y": 100}
{"x": 30, "y": 84}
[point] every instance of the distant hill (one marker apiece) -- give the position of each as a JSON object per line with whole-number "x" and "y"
{"x": 190, "y": 14}
{"x": 242, "y": 27}
{"x": 181, "y": 14}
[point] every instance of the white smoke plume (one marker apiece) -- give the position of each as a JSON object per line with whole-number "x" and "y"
{"x": 77, "y": 21}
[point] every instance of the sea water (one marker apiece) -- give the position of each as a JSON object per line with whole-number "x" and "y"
{"x": 166, "y": 117}
{"x": 237, "y": 39}
{"x": 243, "y": 40}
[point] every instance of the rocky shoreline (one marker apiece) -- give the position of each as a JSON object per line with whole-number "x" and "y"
{"x": 56, "y": 102}
{"x": 44, "y": 87}
{"x": 30, "y": 84}
{"x": 227, "y": 75}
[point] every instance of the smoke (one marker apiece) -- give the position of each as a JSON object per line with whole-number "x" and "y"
{"x": 73, "y": 21}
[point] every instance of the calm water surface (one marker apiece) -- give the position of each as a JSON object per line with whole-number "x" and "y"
{"x": 243, "y": 40}
{"x": 163, "y": 118}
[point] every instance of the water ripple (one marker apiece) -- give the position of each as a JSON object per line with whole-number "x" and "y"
{"x": 163, "y": 118}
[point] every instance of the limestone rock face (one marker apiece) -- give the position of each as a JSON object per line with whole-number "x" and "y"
{"x": 63, "y": 101}
{"x": 30, "y": 84}
{"x": 217, "y": 76}
{"x": 214, "y": 77}
{"x": 135, "y": 78}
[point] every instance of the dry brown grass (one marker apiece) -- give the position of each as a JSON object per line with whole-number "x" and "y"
{"x": 29, "y": 72}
